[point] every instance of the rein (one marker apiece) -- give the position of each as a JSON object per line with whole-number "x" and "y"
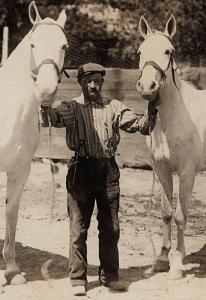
{"x": 49, "y": 61}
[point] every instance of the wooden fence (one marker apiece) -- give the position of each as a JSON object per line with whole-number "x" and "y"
{"x": 120, "y": 84}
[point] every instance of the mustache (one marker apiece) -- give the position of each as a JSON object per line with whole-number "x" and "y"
{"x": 96, "y": 91}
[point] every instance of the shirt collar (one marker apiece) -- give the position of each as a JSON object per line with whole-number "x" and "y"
{"x": 83, "y": 101}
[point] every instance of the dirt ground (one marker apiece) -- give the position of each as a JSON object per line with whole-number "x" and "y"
{"x": 42, "y": 241}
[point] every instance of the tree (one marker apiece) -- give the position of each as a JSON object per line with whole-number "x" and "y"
{"x": 106, "y": 31}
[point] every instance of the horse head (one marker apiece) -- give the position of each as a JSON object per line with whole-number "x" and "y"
{"x": 156, "y": 57}
{"x": 47, "y": 51}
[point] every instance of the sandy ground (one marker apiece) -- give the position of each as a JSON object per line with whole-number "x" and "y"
{"x": 42, "y": 241}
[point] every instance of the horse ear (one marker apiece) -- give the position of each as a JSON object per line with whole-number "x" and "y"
{"x": 34, "y": 15}
{"x": 144, "y": 27}
{"x": 62, "y": 18}
{"x": 170, "y": 27}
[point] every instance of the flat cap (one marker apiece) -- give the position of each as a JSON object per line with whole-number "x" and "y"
{"x": 90, "y": 68}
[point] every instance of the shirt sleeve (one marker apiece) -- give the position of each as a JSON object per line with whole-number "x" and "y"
{"x": 145, "y": 123}
{"x": 130, "y": 122}
{"x": 60, "y": 116}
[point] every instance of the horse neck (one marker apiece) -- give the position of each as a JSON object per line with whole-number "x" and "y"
{"x": 19, "y": 60}
{"x": 15, "y": 77}
{"x": 17, "y": 88}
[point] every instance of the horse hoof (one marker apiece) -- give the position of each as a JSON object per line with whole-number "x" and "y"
{"x": 176, "y": 267}
{"x": 175, "y": 274}
{"x": 161, "y": 266}
{"x": 18, "y": 279}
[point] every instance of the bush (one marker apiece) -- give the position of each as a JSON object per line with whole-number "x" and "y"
{"x": 106, "y": 31}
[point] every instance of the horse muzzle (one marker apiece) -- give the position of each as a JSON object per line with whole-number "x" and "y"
{"x": 148, "y": 92}
{"x": 45, "y": 92}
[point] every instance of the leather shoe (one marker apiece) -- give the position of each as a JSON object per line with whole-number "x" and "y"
{"x": 116, "y": 285}
{"x": 78, "y": 290}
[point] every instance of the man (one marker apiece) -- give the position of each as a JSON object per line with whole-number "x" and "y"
{"x": 92, "y": 131}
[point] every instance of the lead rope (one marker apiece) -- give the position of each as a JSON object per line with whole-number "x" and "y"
{"x": 149, "y": 206}
{"x": 52, "y": 175}
{"x": 45, "y": 265}
{"x": 51, "y": 165}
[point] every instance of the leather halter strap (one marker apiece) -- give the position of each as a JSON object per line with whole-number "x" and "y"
{"x": 171, "y": 62}
{"x": 49, "y": 61}
{"x": 47, "y": 23}
{"x": 156, "y": 66}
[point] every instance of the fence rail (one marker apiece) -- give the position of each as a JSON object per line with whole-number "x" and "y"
{"x": 119, "y": 84}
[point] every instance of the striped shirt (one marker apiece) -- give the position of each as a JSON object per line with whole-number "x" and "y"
{"x": 92, "y": 129}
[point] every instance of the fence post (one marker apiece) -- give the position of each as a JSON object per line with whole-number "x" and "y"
{"x": 5, "y": 44}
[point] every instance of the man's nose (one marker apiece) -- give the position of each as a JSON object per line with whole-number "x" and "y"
{"x": 92, "y": 85}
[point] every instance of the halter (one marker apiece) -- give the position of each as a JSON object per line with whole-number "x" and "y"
{"x": 171, "y": 62}
{"x": 48, "y": 61}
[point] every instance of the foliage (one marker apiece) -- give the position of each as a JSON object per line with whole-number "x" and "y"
{"x": 105, "y": 37}
{"x": 106, "y": 31}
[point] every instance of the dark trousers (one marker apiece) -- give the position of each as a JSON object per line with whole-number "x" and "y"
{"x": 89, "y": 180}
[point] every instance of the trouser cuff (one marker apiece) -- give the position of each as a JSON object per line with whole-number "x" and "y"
{"x": 75, "y": 282}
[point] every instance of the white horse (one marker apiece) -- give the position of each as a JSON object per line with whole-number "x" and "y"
{"x": 178, "y": 141}
{"x": 29, "y": 76}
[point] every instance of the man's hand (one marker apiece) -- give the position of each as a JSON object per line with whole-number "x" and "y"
{"x": 152, "y": 107}
{"x": 46, "y": 103}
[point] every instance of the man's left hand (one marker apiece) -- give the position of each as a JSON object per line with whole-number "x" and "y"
{"x": 152, "y": 107}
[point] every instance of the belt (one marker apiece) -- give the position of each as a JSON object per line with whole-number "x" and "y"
{"x": 87, "y": 158}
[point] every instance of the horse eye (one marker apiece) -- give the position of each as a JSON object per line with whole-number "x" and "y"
{"x": 32, "y": 46}
{"x": 167, "y": 52}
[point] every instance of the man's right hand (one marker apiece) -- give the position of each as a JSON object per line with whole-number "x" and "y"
{"x": 46, "y": 103}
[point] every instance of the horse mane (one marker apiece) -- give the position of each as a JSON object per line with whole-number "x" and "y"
{"x": 191, "y": 79}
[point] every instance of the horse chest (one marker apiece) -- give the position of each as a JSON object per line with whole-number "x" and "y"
{"x": 18, "y": 143}
{"x": 175, "y": 147}
{"x": 168, "y": 148}
{"x": 158, "y": 146}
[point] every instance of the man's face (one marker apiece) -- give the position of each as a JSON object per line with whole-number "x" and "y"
{"x": 92, "y": 86}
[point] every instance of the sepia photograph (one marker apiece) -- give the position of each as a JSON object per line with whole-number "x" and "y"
{"x": 102, "y": 149}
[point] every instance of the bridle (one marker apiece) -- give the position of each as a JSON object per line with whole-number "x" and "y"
{"x": 35, "y": 69}
{"x": 171, "y": 62}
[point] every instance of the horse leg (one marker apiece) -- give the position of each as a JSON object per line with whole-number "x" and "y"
{"x": 165, "y": 176}
{"x": 15, "y": 185}
{"x": 186, "y": 184}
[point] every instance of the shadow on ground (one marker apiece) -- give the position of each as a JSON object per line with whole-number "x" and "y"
{"x": 127, "y": 276}
{"x": 198, "y": 257}
{"x": 38, "y": 264}
{"x": 42, "y": 265}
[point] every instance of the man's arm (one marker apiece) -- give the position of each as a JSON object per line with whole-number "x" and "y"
{"x": 60, "y": 116}
{"x": 145, "y": 123}
{"x": 130, "y": 122}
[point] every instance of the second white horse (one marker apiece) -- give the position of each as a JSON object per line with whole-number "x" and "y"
{"x": 178, "y": 141}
